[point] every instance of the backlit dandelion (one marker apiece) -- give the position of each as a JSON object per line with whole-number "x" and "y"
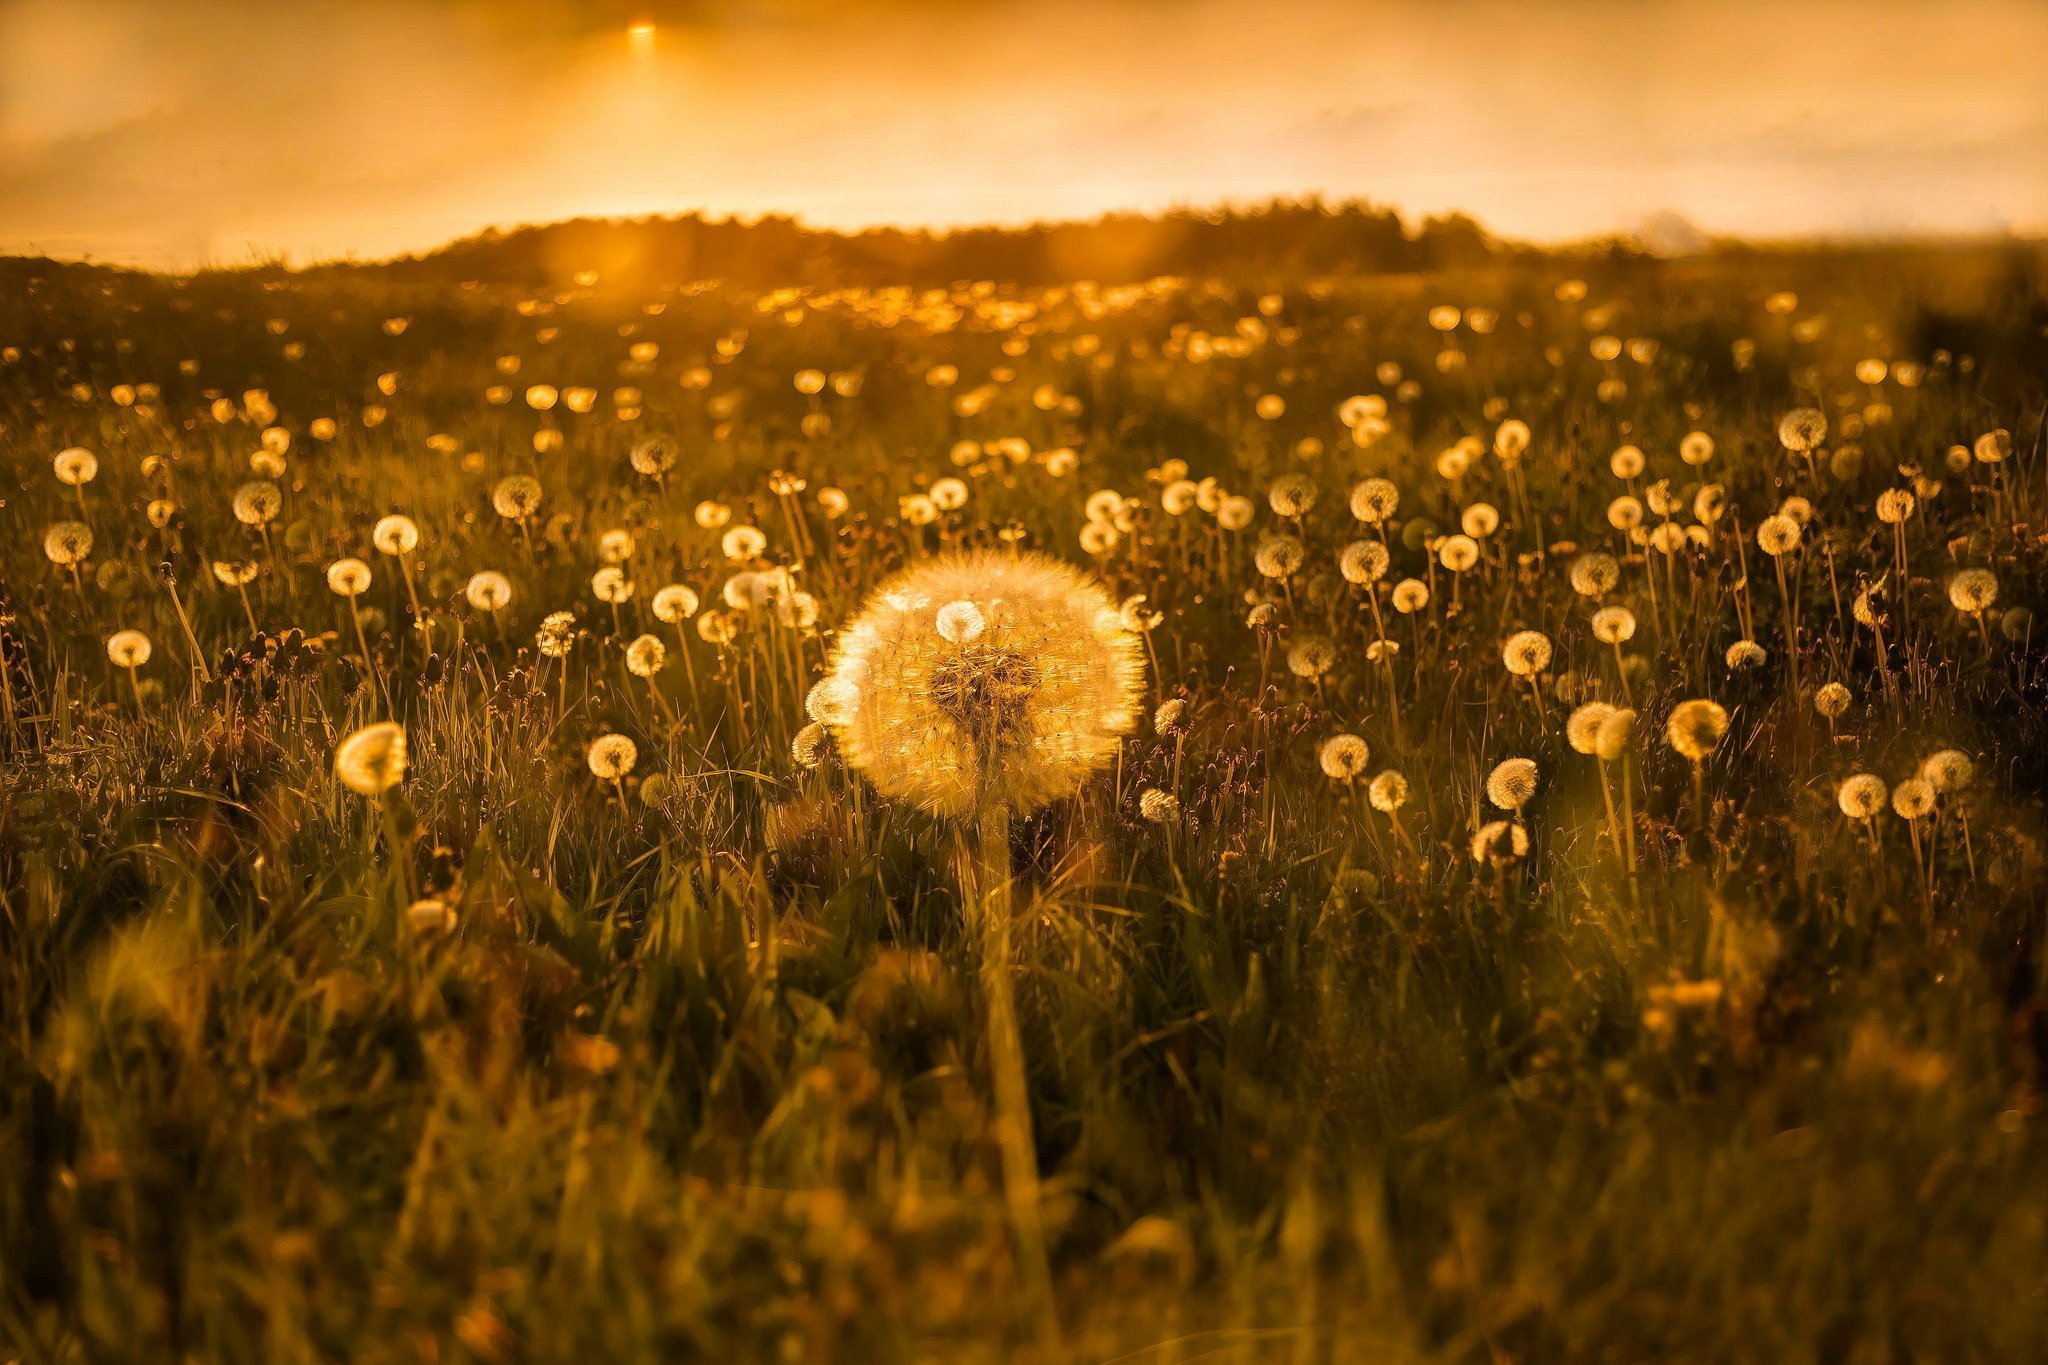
{"x": 611, "y": 757}
{"x": 1016, "y": 713}
{"x": 1594, "y": 574}
{"x": 1512, "y": 784}
{"x": 1158, "y": 807}
{"x": 373, "y": 760}
{"x": 807, "y": 747}
{"x": 1363, "y": 562}
{"x": 1279, "y": 557}
{"x": 1862, "y": 798}
{"x": 67, "y": 544}
{"x": 1695, "y": 727}
{"x": 1499, "y": 843}
{"x": 1802, "y": 429}
{"x": 1373, "y": 501}
{"x": 488, "y": 590}
{"x": 1342, "y": 757}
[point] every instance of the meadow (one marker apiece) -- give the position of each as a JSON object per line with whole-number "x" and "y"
{"x": 1527, "y": 845}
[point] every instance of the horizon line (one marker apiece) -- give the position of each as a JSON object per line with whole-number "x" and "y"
{"x": 1317, "y": 201}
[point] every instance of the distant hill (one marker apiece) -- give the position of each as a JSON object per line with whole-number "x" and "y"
{"x": 1279, "y": 241}
{"x": 1286, "y": 239}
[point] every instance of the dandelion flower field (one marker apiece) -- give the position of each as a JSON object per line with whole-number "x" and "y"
{"x": 1484, "y": 814}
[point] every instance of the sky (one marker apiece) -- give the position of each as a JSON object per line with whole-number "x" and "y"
{"x": 185, "y": 132}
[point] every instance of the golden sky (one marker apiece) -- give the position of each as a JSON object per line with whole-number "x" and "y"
{"x": 186, "y": 131}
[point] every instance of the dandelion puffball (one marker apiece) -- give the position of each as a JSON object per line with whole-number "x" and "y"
{"x": 1695, "y": 727}
{"x": 372, "y": 761}
{"x": 1343, "y": 757}
{"x": 1512, "y": 783}
{"x": 348, "y": 577}
{"x": 1863, "y": 796}
{"x": 128, "y": 648}
{"x": 611, "y": 757}
{"x": 1018, "y": 712}
{"x": 1159, "y": 807}
{"x": 396, "y": 534}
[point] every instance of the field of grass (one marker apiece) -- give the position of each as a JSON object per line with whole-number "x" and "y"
{"x": 1714, "y": 1029}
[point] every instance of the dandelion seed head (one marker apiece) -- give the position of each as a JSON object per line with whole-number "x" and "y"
{"x": 1512, "y": 783}
{"x": 1993, "y": 447}
{"x": 1695, "y": 727}
{"x": 348, "y": 577}
{"x": 256, "y": 503}
{"x": 1862, "y": 797}
{"x": 396, "y": 534}
{"x": 807, "y": 747}
{"x": 1363, "y": 562}
{"x": 1777, "y": 535}
{"x": 1614, "y": 625}
{"x": 1410, "y": 595}
{"x": 1595, "y": 573}
{"x": 961, "y": 622}
{"x": 1744, "y": 655}
{"x": 556, "y": 634}
{"x": 1343, "y": 757}
{"x": 76, "y": 466}
{"x": 128, "y": 648}
{"x": 1802, "y": 429}
{"x": 1021, "y": 713}
{"x": 1973, "y": 591}
{"x": 1279, "y": 557}
{"x": 645, "y": 656}
{"x": 1158, "y": 807}
{"x": 1311, "y": 657}
{"x": 1511, "y": 439}
{"x": 373, "y": 760}
{"x": 67, "y": 543}
{"x": 611, "y": 757}
{"x": 1526, "y": 653}
{"x": 675, "y": 603}
{"x": 1948, "y": 771}
{"x": 743, "y": 543}
{"x": 1895, "y": 505}
{"x": 1582, "y": 727}
{"x": 1137, "y": 616}
{"x": 1499, "y": 842}
{"x": 1291, "y": 495}
{"x": 1617, "y": 732}
{"x": 1373, "y": 501}
{"x": 1457, "y": 553}
{"x": 516, "y": 496}
{"x": 653, "y": 456}
{"x": 488, "y": 590}
{"x": 1388, "y": 792}
{"x": 1913, "y": 798}
{"x": 1480, "y": 520}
